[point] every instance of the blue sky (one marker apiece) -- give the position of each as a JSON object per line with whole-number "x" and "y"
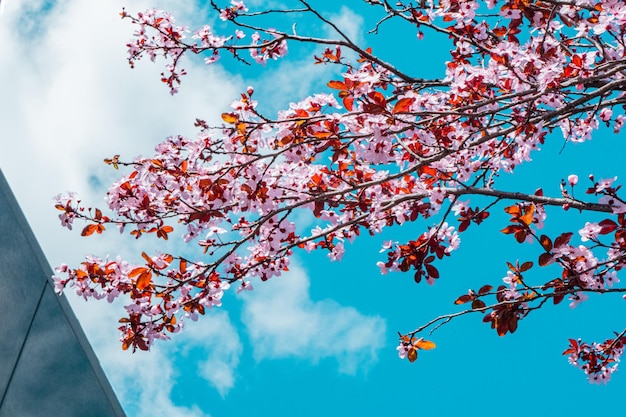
{"x": 320, "y": 340}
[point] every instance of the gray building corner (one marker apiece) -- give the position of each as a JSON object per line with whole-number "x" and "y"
{"x": 47, "y": 366}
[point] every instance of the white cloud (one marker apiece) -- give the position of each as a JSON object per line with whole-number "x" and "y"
{"x": 350, "y": 23}
{"x": 284, "y": 322}
{"x": 69, "y": 100}
{"x": 219, "y": 344}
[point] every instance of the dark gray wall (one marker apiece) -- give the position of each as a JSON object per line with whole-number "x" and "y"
{"x": 47, "y": 367}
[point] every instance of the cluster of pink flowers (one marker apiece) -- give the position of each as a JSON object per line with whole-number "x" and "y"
{"x": 387, "y": 149}
{"x": 597, "y": 360}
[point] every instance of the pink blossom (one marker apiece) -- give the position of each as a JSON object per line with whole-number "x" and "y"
{"x": 605, "y": 114}
{"x": 604, "y": 184}
{"x": 510, "y": 13}
{"x": 590, "y": 231}
{"x": 403, "y": 350}
{"x": 577, "y": 298}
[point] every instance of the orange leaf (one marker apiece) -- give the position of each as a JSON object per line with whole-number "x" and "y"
{"x": 425, "y": 344}
{"x": 412, "y": 355}
{"x": 230, "y": 118}
{"x": 147, "y": 258}
{"x": 513, "y": 210}
{"x": 137, "y": 271}
{"x": 527, "y": 218}
{"x": 144, "y": 279}
{"x": 337, "y": 85}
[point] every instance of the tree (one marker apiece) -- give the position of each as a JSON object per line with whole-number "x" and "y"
{"x": 379, "y": 148}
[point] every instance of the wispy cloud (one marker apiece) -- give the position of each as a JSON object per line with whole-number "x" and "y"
{"x": 216, "y": 340}
{"x": 350, "y": 23}
{"x": 68, "y": 101}
{"x": 284, "y": 322}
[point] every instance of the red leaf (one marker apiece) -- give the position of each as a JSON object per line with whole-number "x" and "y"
{"x": 476, "y": 304}
{"x": 608, "y": 226}
{"x": 464, "y": 225}
{"x": 432, "y": 271}
{"x": 558, "y": 298}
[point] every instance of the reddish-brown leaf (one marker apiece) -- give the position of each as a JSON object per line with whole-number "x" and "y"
{"x": 558, "y": 298}
{"x": 526, "y": 266}
{"x": 432, "y": 271}
{"x": 563, "y": 239}
{"x": 545, "y": 259}
{"x": 546, "y": 243}
{"x": 608, "y": 226}
{"x": 484, "y": 289}
{"x": 513, "y": 324}
{"x": 463, "y": 299}
{"x": 89, "y": 230}
{"x": 521, "y": 236}
{"x": 512, "y": 229}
